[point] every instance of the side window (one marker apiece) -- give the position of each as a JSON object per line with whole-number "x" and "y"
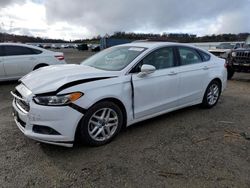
{"x": 1, "y": 51}
{"x": 189, "y": 56}
{"x": 35, "y": 51}
{"x": 205, "y": 56}
{"x": 18, "y": 50}
{"x": 161, "y": 58}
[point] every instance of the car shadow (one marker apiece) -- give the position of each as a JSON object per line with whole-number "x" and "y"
{"x": 242, "y": 77}
{"x": 3, "y": 83}
{"x": 163, "y": 117}
{"x": 79, "y": 147}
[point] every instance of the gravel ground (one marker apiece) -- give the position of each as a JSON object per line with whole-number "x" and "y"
{"x": 192, "y": 147}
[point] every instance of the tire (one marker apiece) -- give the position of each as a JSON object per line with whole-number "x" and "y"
{"x": 212, "y": 94}
{"x": 101, "y": 124}
{"x": 40, "y": 66}
{"x": 230, "y": 73}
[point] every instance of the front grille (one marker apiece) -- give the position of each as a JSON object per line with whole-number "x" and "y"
{"x": 243, "y": 56}
{"x": 17, "y": 93}
{"x": 22, "y": 105}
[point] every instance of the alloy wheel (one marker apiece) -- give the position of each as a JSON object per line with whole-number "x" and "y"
{"x": 213, "y": 94}
{"x": 103, "y": 124}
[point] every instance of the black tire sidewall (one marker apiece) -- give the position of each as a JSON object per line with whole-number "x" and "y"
{"x": 84, "y": 134}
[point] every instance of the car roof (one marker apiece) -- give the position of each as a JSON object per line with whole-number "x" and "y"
{"x": 24, "y": 45}
{"x": 147, "y": 44}
{"x": 15, "y": 44}
{"x": 152, "y": 45}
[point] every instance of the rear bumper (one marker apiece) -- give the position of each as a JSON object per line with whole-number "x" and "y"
{"x": 241, "y": 67}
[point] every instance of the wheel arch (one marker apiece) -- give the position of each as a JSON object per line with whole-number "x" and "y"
{"x": 120, "y": 105}
{"x": 217, "y": 79}
{"x": 40, "y": 65}
{"x": 109, "y": 99}
{"x": 214, "y": 79}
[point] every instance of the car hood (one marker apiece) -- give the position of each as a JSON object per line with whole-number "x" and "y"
{"x": 51, "y": 78}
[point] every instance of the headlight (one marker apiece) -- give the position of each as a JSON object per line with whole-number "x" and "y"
{"x": 58, "y": 100}
{"x": 233, "y": 54}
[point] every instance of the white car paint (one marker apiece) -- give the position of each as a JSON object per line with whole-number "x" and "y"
{"x": 143, "y": 97}
{"x": 14, "y": 67}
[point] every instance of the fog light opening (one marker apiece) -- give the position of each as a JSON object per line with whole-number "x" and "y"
{"x": 44, "y": 130}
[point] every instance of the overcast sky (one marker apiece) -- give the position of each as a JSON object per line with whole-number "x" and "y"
{"x": 74, "y": 19}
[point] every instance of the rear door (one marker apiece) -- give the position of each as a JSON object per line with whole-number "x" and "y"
{"x": 194, "y": 74}
{"x": 158, "y": 91}
{"x": 18, "y": 60}
{"x": 2, "y": 72}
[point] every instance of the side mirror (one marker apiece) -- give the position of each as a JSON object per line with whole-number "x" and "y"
{"x": 146, "y": 69}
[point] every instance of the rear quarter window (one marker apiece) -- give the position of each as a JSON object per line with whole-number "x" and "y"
{"x": 204, "y": 55}
{"x": 35, "y": 51}
{"x": 189, "y": 56}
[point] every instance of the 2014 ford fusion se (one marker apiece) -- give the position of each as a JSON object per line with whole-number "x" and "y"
{"x": 117, "y": 87}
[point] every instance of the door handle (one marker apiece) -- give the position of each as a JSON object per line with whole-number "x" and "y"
{"x": 205, "y": 68}
{"x": 172, "y": 73}
{"x": 32, "y": 58}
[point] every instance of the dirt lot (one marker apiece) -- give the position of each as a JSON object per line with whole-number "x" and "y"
{"x": 192, "y": 147}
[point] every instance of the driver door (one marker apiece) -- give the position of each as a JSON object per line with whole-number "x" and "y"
{"x": 156, "y": 92}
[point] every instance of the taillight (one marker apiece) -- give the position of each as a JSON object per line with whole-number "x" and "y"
{"x": 60, "y": 57}
{"x": 225, "y": 65}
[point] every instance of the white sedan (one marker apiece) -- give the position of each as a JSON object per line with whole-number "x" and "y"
{"x": 117, "y": 87}
{"x": 17, "y": 60}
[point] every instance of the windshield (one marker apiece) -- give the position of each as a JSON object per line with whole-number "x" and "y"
{"x": 114, "y": 59}
{"x": 225, "y": 46}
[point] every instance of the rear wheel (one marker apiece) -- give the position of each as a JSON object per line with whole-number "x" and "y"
{"x": 212, "y": 94}
{"x": 101, "y": 123}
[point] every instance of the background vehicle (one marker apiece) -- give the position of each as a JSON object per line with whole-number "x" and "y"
{"x": 95, "y": 48}
{"x": 16, "y": 60}
{"x": 82, "y": 47}
{"x": 223, "y": 49}
{"x": 117, "y": 87}
{"x": 238, "y": 59}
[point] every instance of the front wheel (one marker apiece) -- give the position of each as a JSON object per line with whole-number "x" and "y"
{"x": 101, "y": 123}
{"x": 212, "y": 94}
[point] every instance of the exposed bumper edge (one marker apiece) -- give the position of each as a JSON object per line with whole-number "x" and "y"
{"x": 58, "y": 143}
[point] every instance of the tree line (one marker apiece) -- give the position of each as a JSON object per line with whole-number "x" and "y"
{"x": 171, "y": 37}
{"x": 182, "y": 37}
